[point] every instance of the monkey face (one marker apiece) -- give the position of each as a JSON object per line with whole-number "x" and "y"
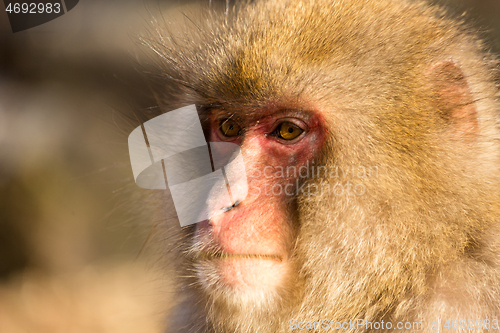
{"x": 249, "y": 248}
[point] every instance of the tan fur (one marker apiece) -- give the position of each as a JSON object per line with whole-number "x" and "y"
{"x": 423, "y": 242}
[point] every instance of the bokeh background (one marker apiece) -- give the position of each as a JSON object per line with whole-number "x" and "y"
{"x": 75, "y": 254}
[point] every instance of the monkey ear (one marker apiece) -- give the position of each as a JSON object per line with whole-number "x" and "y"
{"x": 453, "y": 97}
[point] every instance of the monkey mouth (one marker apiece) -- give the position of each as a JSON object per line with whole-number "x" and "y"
{"x": 204, "y": 256}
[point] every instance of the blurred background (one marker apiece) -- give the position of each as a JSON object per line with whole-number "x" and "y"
{"x": 72, "y": 242}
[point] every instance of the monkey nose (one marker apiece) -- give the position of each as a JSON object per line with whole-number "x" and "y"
{"x": 227, "y": 209}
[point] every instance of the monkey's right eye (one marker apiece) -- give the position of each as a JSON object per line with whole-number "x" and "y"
{"x": 288, "y": 131}
{"x": 230, "y": 128}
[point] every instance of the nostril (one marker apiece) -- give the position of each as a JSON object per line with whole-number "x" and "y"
{"x": 227, "y": 209}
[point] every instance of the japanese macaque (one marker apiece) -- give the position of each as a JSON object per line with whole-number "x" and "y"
{"x": 370, "y": 132}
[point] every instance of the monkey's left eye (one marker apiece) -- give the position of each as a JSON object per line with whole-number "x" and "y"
{"x": 288, "y": 131}
{"x": 230, "y": 128}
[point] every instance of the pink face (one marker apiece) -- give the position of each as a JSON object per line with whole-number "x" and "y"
{"x": 252, "y": 241}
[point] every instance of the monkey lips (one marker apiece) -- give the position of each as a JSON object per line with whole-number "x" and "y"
{"x": 241, "y": 251}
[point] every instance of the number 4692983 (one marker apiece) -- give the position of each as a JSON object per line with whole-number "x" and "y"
{"x": 33, "y": 8}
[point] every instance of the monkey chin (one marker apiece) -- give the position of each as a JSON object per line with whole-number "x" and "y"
{"x": 254, "y": 280}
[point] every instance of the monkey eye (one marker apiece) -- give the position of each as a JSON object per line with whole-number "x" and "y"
{"x": 288, "y": 131}
{"x": 230, "y": 128}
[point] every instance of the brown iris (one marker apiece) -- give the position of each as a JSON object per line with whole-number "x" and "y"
{"x": 230, "y": 128}
{"x": 288, "y": 131}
